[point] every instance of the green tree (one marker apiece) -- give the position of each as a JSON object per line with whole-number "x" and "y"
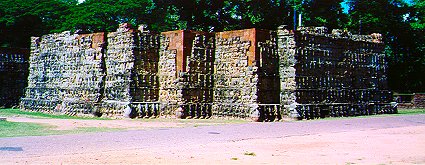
{"x": 418, "y": 15}
{"x": 266, "y": 14}
{"x": 20, "y": 19}
{"x": 400, "y": 24}
{"x": 376, "y": 16}
{"x": 106, "y": 15}
{"x": 219, "y": 15}
{"x": 324, "y": 13}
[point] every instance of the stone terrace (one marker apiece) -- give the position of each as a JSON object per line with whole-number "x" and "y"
{"x": 265, "y": 75}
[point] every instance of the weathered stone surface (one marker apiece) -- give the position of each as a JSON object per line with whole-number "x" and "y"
{"x": 186, "y": 73}
{"x": 259, "y": 74}
{"x": 419, "y": 100}
{"x": 65, "y": 73}
{"x": 131, "y": 85}
{"x": 337, "y": 74}
{"x": 13, "y": 73}
{"x": 246, "y": 74}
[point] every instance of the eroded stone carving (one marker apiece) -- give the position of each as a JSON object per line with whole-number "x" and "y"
{"x": 259, "y": 74}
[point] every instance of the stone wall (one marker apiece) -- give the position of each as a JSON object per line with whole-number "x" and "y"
{"x": 110, "y": 74}
{"x": 199, "y": 75}
{"x": 171, "y": 48}
{"x": 419, "y": 100}
{"x": 246, "y": 74}
{"x": 13, "y": 74}
{"x": 186, "y": 73}
{"x": 131, "y": 84}
{"x": 332, "y": 74}
{"x": 410, "y": 100}
{"x": 145, "y": 86}
{"x": 65, "y": 73}
{"x": 260, "y": 74}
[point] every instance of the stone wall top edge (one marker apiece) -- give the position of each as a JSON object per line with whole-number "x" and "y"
{"x": 244, "y": 30}
{"x": 188, "y": 31}
{"x": 339, "y": 34}
{"x": 68, "y": 34}
{"x": 317, "y": 31}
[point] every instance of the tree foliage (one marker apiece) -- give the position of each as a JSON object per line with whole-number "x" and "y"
{"x": 20, "y": 19}
{"x": 324, "y": 13}
{"x": 106, "y": 15}
{"x": 401, "y": 22}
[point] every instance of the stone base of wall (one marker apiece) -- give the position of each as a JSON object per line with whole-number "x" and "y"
{"x": 314, "y": 111}
{"x": 419, "y": 100}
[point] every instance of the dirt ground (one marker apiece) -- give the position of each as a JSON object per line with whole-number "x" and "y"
{"x": 401, "y": 145}
{"x": 390, "y": 146}
{"x": 128, "y": 124}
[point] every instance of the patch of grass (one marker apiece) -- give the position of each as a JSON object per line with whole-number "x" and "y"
{"x": 250, "y": 153}
{"x": 411, "y": 111}
{"x": 17, "y": 129}
{"x": 13, "y": 129}
{"x": 9, "y": 112}
{"x": 89, "y": 129}
{"x": 401, "y": 112}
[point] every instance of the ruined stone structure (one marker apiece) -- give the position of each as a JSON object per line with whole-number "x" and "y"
{"x": 246, "y": 74}
{"x": 13, "y": 75}
{"x": 65, "y": 73}
{"x": 131, "y": 85}
{"x": 414, "y": 100}
{"x": 332, "y": 74}
{"x": 186, "y": 73}
{"x": 419, "y": 100}
{"x": 262, "y": 74}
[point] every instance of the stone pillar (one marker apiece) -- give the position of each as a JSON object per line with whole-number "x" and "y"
{"x": 119, "y": 61}
{"x": 287, "y": 72}
{"x": 185, "y": 69}
{"x": 246, "y": 75}
{"x": 132, "y": 85}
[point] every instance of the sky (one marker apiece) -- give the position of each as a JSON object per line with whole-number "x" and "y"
{"x": 345, "y": 7}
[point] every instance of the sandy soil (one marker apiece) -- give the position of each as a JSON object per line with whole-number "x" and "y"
{"x": 389, "y": 146}
{"x": 129, "y": 124}
{"x": 401, "y": 145}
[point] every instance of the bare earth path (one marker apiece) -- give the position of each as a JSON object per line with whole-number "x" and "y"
{"x": 69, "y": 124}
{"x": 376, "y": 140}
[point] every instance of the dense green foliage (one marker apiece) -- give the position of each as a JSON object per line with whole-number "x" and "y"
{"x": 325, "y": 13}
{"x": 402, "y": 23}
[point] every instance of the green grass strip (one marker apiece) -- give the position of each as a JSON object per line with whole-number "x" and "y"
{"x": 13, "y": 129}
{"x": 411, "y": 111}
{"x": 17, "y": 112}
{"x": 18, "y": 129}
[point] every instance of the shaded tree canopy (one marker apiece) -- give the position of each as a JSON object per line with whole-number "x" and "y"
{"x": 324, "y": 13}
{"x": 402, "y": 23}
